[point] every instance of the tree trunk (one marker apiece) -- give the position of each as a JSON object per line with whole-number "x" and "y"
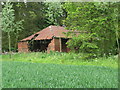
{"x": 15, "y": 45}
{"x": 9, "y": 41}
{"x": 16, "y": 41}
{"x": 119, "y": 55}
{"x": 0, "y": 30}
{"x": 117, "y": 28}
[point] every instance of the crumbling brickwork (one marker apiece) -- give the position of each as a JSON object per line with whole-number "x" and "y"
{"x": 55, "y": 46}
{"x": 23, "y": 47}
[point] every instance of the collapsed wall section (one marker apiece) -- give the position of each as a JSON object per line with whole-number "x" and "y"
{"x": 51, "y": 46}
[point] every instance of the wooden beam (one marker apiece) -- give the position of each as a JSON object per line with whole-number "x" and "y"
{"x": 60, "y": 44}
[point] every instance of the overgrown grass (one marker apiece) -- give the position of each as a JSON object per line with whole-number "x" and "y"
{"x": 38, "y": 75}
{"x": 58, "y": 70}
{"x": 62, "y": 58}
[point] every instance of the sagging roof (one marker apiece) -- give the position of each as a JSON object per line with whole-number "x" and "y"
{"x": 48, "y": 33}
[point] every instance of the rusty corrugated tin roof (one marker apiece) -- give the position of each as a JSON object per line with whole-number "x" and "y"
{"x": 28, "y": 38}
{"x": 48, "y": 33}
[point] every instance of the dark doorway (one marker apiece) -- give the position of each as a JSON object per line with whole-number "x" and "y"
{"x": 64, "y": 45}
{"x": 39, "y": 45}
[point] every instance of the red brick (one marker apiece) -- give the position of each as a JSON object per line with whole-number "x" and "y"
{"x": 23, "y": 47}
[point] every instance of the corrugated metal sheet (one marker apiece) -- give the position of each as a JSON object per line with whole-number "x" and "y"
{"x": 48, "y": 33}
{"x": 28, "y": 38}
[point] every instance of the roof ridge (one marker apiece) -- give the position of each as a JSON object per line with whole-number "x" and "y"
{"x": 48, "y": 33}
{"x": 51, "y": 30}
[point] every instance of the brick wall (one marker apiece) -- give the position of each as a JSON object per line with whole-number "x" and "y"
{"x": 55, "y": 46}
{"x": 23, "y": 47}
{"x": 51, "y": 46}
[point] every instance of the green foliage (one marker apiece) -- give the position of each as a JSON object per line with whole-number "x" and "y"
{"x": 95, "y": 21}
{"x": 32, "y": 16}
{"x": 8, "y": 22}
{"x": 82, "y": 43}
{"x": 8, "y": 18}
{"x": 36, "y": 75}
{"x": 18, "y": 27}
{"x": 54, "y": 13}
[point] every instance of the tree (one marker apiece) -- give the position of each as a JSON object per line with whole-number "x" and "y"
{"x": 96, "y": 24}
{"x": 18, "y": 27}
{"x": 116, "y": 24}
{"x": 33, "y": 14}
{"x": 8, "y": 22}
{"x": 54, "y": 13}
{"x": 0, "y": 32}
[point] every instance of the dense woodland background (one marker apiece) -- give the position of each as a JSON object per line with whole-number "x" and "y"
{"x": 99, "y": 21}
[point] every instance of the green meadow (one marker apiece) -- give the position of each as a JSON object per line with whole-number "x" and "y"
{"x": 62, "y": 58}
{"x": 58, "y": 70}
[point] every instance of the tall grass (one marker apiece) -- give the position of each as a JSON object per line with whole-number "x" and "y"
{"x": 62, "y": 58}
